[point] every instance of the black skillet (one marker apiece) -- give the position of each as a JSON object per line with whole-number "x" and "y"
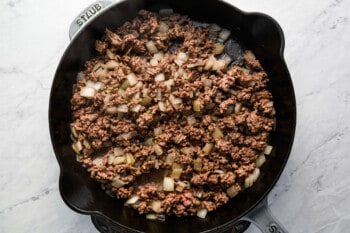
{"x": 255, "y": 31}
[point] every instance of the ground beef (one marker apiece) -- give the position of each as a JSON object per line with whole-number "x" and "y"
{"x": 159, "y": 102}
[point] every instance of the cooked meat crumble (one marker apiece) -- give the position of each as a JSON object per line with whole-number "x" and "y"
{"x": 164, "y": 118}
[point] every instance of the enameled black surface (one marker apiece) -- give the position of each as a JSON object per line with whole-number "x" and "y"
{"x": 255, "y": 31}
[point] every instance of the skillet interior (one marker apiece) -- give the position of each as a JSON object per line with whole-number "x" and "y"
{"x": 255, "y": 31}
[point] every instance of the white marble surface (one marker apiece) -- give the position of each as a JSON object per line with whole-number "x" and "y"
{"x": 313, "y": 194}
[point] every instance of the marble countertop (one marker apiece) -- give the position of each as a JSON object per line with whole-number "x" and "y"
{"x": 312, "y": 195}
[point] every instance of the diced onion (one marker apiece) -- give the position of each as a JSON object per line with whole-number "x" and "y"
{"x": 217, "y": 134}
{"x": 156, "y": 206}
{"x": 149, "y": 142}
{"x": 74, "y": 132}
{"x": 151, "y": 47}
{"x": 125, "y": 85}
{"x": 86, "y": 143}
{"x": 80, "y": 76}
{"x": 219, "y": 65}
{"x": 132, "y": 79}
{"x": 136, "y": 108}
{"x": 227, "y": 59}
{"x": 87, "y": 92}
{"x": 162, "y": 106}
{"x": 268, "y": 149}
{"x": 197, "y": 105}
{"x": 168, "y": 184}
{"x": 132, "y": 200}
{"x": 202, "y": 213}
{"x": 159, "y": 77}
{"x": 210, "y": 63}
{"x": 101, "y": 72}
{"x": 117, "y": 183}
{"x": 197, "y": 164}
{"x": 159, "y": 94}
{"x": 153, "y": 62}
{"x": 157, "y": 131}
{"x": 207, "y": 148}
{"x": 250, "y": 55}
{"x": 169, "y": 83}
{"x": 260, "y": 160}
{"x": 110, "y": 159}
{"x": 180, "y": 186}
{"x": 175, "y": 102}
{"x": 111, "y": 65}
{"x": 214, "y": 28}
{"x": 123, "y": 108}
{"x": 110, "y": 54}
{"x": 207, "y": 82}
{"x": 112, "y": 110}
{"x": 269, "y": 104}
{"x": 127, "y": 136}
{"x": 119, "y": 160}
{"x": 249, "y": 181}
{"x": 182, "y": 56}
{"x": 158, "y": 217}
{"x": 191, "y": 120}
{"x": 157, "y": 149}
{"x": 129, "y": 158}
{"x": 218, "y": 48}
{"x": 224, "y": 35}
{"x": 176, "y": 173}
{"x": 77, "y": 147}
{"x": 98, "y": 161}
{"x": 146, "y": 101}
{"x": 232, "y": 191}
{"x": 238, "y": 107}
{"x": 163, "y": 27}
{"x": 118, "y": 151}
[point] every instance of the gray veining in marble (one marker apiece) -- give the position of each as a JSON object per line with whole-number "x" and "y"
{"x": 313, "y": 193}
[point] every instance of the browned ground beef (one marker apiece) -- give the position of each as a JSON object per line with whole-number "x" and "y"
{"x": 183, "y": 109}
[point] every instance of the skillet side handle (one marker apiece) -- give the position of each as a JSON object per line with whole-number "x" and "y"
{"x": 87, "y": 15}
{"x": 262, "y": 217}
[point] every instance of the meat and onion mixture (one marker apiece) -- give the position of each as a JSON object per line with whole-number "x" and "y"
{"x": 164, "y": 118}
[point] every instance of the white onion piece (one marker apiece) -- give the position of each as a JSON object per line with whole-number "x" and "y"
{"x": 87, "y": 92}
{"x": 218, "y": 171}
{"x": 207, "y": 148}
{"x": 175, "y": 102}
{"x": 210, "y": 63}
{"x": 119, "y": 160}
{"x": 163, "y": 27}
{"x": 111, "y": 65}
{"x": 238, "y": 107}
{"x": 162, "y": 106}
{"x": 182, "y": 56}
{"x": 159, "y": 56}
{"x": 219, "y": 65}
{"x": 136, "y": 108}
{"x": 168, "y": 184}
{"x": 117, "y": 183}
{"x": 157, "y": 131}
{"x": 157, "y": 149}
{"x": 118, "y": 151}
{"x": 169, "y": 83}
{"x": 158, "y": 217}
{"x": 227, "y": 59}
{"x": 202, "y": 213}
{"x": 191, "y": 120}
{"x": 217, "y": 134}
{"x": 139, "y": 84}
{"x": 123, "y": 108}
{"x": 145, "y": 92}
{"x": 149, "y": 142}
{"x": 112, "y": 110}
{"x": 207, "y": 82}
{"x": 110, "y": 159}
{"x": 90, "y": 83}
{"x": 159, "y": 77}
{"x": 74, "y": 132}
{"x": 224, "y": 35}
{"x": 214, "y": 27}
{"x": 268, "y": 149}
{"x": 180, "y": 186}
{"x": 156, "y": 206}
{"x": 153, "y": 62}
{"x": 260, "y": 160}
{"x": 132, "y": 79}
{"x": 232, "y": 191}
{"x": 132, "y": 200}
{"x": 127, "y": 136}
{"x": 77, "y": 147}
{"x": 98, "y": 161}
{"x": 151, "y": 47}
{"x": 107, "y": 98}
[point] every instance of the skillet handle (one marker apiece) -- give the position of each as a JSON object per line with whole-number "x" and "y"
{"x": 262, "y": 217}
{"x": 88, "y": 14}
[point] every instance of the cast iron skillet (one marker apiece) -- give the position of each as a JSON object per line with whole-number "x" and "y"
{"x": 255, "y": 31}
